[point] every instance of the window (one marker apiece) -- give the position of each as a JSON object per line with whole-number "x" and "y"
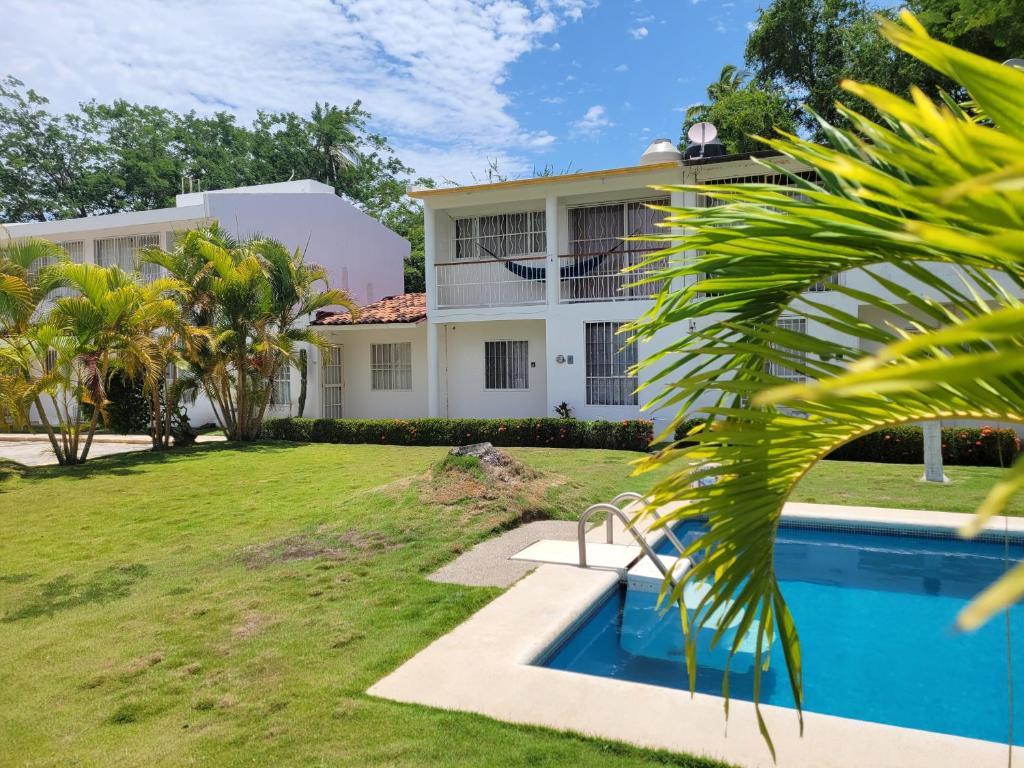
{"x": 331, "y": 380}
{"x": 123, "y": 252}
{"x": 502, "y": 236}
{"x": 608, "y": 360}
{"x": 391, "y": 366}
{"x": 796, "y": 325}
{"x": 506, "y": 365}
{"x": 73, "y": 248}
{"x": 281, "y": 391}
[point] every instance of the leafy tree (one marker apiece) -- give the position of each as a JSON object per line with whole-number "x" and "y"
{"x": 807, "y": 47}
{"x": 741, "y": 110}
{"x": 927, "y": 205}
{"x": 992, "y": 28}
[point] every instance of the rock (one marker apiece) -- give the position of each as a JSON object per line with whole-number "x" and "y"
{"x": 475, "y": 449}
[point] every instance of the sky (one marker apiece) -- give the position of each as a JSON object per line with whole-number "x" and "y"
{"x": 454, "y": 84}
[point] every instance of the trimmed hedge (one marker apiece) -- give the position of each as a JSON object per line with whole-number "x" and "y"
{"x": 630, "y": 435}
{"x": 961, "y": 446}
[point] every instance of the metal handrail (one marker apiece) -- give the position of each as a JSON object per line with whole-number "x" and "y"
{"x": 634, "y": 496}
{"x": 611, "y": 509}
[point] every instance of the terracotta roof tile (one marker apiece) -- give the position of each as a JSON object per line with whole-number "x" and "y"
{"x": 404, "y": 308}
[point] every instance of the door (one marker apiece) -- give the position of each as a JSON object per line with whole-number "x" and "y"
{"x": 332, "y": 381}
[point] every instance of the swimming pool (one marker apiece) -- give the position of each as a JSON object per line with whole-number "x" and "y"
{"x": 874, "y": 609}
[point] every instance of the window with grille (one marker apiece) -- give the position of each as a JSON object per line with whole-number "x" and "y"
{"x": 391, "y": 366}
{"x": 123, "y": 252}
{"x": 502, "y": 236}
{"x": 331, "y": 381}
{"x": 796, "y": 325}
{"x": 608, "y": 362}
{"x": 74, "y": 250}
{"x": 281, "y": 389}
{"x": 506, "y": 365}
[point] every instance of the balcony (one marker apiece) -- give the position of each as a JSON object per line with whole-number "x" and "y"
{"x": 491, "y": 282}
{"x": 600, "y": 276}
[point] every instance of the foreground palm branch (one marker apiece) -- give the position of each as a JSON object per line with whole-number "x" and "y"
{"x": 929, "y": 206}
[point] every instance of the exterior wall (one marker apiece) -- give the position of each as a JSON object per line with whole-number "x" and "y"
{"x": 360, "y": 255}
{"x": 360, "y": 401}
{"x": 461, "y": 362}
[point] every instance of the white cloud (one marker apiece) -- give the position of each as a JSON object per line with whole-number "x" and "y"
{"x": 556, "y": 47}
{"x": 720, "y": 27}
{"x": 552, "y": 99}
{"x": 622, "y": 68}
{"x": 638, "y": 33}
{"x": 645, "y": 19}
{"x": 430, "y": 73}
{"x": 593, "y": 122}
{"x": 751, "y": 26}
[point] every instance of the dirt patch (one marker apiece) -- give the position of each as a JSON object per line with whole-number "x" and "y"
{"x": 324, "y": 543}
{"x": 489, "y": 486}
{"x": 253, "y": 624}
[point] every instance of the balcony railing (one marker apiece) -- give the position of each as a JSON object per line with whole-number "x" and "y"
{"x": 600, "y": 277}
{"x": 491, "y": 282}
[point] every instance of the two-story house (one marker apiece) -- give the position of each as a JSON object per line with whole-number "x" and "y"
{"x": 360, "y": 254}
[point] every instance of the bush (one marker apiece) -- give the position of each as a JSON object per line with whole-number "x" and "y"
{"x": 629, "y": 435}
{"x": 683, "y": 429}
{"x": 961, "y": 446}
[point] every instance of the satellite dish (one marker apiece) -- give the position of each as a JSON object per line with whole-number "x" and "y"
{"x": 702, "y": 133}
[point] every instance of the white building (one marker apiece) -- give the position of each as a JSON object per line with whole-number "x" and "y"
{"x": 525, "y": 295}
{"x": 360, "y": 254}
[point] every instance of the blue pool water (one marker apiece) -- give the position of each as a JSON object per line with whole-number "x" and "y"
{"x": 875, "y": 616}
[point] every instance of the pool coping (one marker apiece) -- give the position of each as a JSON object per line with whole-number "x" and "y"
{"x": 484, "y": 666}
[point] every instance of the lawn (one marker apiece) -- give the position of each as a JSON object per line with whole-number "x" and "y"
{"x": 167, "y": 610}
{"x": 229, "y": 606}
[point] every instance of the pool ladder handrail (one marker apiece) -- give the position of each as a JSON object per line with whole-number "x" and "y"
{"x": 634, "y": 496}
{"x": 614, "y": 511}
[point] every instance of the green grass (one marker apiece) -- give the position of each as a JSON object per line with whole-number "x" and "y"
{"x": 899, "y": 485}
{"x": 157, "y": 610}
{"x": 230, "y": 605}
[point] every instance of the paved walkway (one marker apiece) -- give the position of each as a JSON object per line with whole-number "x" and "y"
{"x": 488, "y": 564}
{"x": 35, "y": 450}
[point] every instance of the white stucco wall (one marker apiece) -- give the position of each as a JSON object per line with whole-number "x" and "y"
{"x": 361, "y": 255}
{"x": 360, "y": 401}
{"x": 462, "y": 370}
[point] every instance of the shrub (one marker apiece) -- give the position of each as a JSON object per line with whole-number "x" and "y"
{"x": 684, "y": 428}
{"x": 961, "y": 446}
{"x": 629, "y": 435}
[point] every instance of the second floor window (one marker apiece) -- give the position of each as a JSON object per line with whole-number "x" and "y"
{"x": 797, "y": 325}
{"x": 123, "y": 252}
{"x": 391, "y": 366}
{"x": 281, "y": 387}
{"x": 501, "y": 236}
{"x": 73, "y": 248}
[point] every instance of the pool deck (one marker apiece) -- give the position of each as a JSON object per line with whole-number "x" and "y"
{"x": 484, "y": 666}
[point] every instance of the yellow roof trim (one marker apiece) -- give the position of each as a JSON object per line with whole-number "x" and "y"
{"x": 421, "y": 193}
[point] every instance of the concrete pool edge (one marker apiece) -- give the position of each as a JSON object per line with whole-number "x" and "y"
{"x": 483, "y": 666}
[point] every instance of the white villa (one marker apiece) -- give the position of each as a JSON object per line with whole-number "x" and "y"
{"x": 360, "y": 254}
{"x": 524, "y": 298}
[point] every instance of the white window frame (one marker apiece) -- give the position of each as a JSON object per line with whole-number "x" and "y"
{"x": 514, "y": 370}
{"x": 499, "y": 236}
{"x": 124, "y": 250}
{"x": 606, "y": 365}
{"x": 332, "y": 381}
{"x": 391, "y": 366}
{"x": 789, "y": 323}
{"x": 281, "y": 387}
{"x": 75, "y": 250}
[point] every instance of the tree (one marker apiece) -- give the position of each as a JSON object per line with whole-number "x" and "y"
{"x": 931, "y": 185}
{"x": 806, "y": 48}
{"x": 249, "y": 297}
{"x": 741, "y": 111}
{"x": 991, "y": 28}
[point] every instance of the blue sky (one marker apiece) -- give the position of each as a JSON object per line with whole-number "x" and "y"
{"x": 453, "y": 83}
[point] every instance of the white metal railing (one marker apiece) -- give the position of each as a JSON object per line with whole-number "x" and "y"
{"x": 600, "y": 277}
{"x": 491, "y": 282}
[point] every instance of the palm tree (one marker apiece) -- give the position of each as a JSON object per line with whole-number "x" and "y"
{"x": 730, "y": 80}
{"x": 250, "y": 297}
{"x": 928, "y": 205}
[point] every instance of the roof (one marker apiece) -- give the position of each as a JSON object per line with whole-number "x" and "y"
{"x": 404, "y": 308}
{"x": 567, "y": 177}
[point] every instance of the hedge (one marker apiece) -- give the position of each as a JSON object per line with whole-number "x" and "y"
{"x": 630, "y": 435}
{"x": 961, "y": 446}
